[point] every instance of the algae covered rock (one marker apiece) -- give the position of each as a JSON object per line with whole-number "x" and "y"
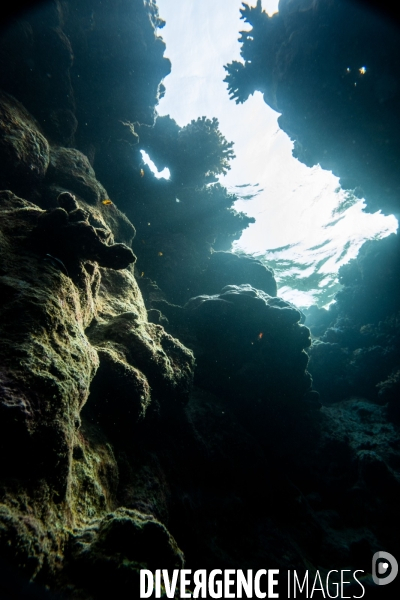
{"x": 24, "y": 151}
{"x": 71, "y": 238}
{"x": 72, "y": 170}
{"x": 26, "y": 536}
{"x": 130, "y": 347}
{"x": 47, "y": 362}
{"x": 108, "y": 556}
{"x": 70, "y": 307}
{"x": 57, "y": 330}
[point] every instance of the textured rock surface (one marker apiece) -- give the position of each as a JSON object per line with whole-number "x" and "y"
{"x": 358, "y": 350}
{"x": 45, "y": 354}
{"x": 71, "y": 315}
{"x": 110, "y": 553}
{"x": 110, "y": 460}
{"x": 24, "y": 151}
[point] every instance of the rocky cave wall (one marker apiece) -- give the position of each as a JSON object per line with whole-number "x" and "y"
{"x": 156, "y": 407}
{"x": 331, "y": 68}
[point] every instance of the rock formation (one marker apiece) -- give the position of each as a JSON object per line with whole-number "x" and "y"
{"x": 156, "y": 404}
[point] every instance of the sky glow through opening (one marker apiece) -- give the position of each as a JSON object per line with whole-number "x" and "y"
{"x": 164, "y": 174}
{"x": 306, "y": 225}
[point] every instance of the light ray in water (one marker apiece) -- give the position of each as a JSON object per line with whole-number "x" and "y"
{"x": 303, "y": 209}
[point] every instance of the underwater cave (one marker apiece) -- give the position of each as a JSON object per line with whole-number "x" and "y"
{"x": 199, "y": 299}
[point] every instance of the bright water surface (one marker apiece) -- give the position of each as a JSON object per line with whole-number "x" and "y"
{"x": 306, "y": 226}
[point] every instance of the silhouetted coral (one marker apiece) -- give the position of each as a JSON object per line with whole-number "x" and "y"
{"x": 341, "y": 112}
{"x": 109, "y": 454}
{"x": 359, "y": 337}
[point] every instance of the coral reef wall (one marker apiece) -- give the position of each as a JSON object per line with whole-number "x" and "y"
{"x": 357, "y": 340}
{"x": 156, "y": 407}
{"x": 73, "y": 322}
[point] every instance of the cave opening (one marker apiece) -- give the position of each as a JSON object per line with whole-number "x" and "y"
{"x": 164, "y": 174}
{"x": 161, "y": 406}
{"x": 306, "y": 225}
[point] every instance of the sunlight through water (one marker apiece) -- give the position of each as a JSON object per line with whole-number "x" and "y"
{"x": 306, "y": 225}
{"x": 164, "y": 174}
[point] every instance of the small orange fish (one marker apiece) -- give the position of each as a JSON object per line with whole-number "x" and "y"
{"x": 141, "y": 173}
{"x": 260, "y": 336}
{"x": 160, "y": 254}
{"x": 107, "y": 202}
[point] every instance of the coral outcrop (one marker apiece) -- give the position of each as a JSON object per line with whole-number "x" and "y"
{"x": 181, "y": 426}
